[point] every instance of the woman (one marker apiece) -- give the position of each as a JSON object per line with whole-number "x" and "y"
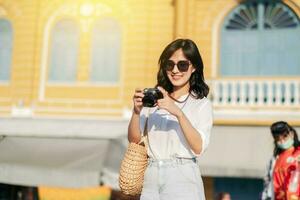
{"x": 278, "y": 183}
{"x": 178, "y": 126}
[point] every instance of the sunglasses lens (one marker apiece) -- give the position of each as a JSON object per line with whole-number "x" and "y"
{"x": 169, "y": 65}
{"x": 183, "y": 65}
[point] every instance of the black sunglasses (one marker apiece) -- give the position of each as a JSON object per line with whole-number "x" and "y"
{"x": 182, "y": 65}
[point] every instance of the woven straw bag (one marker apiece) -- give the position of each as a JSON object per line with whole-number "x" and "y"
{"x": 133, "y": 166}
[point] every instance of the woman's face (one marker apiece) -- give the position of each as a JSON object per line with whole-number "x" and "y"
{"x": 280, "y": 139}
{"x": 285, "y": 141}
{"x": 179, "y": 79}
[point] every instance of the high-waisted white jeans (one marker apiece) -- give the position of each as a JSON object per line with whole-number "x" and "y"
{"x": 176, "y": 179}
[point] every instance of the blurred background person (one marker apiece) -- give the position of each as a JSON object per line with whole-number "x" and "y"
{"x": 280, "y": 181}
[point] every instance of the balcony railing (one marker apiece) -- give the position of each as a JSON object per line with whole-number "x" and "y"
{"x": 255, "y": 93}
{"x": 255, "y": 100}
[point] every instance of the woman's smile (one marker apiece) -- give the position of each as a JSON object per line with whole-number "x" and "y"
{"x": 176, "y": 76}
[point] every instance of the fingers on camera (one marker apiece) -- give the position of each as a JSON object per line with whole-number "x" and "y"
{"x": 138, "y": 100}
{"x": 138, "y": 97}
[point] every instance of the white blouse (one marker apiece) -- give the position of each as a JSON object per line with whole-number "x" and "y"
{"x": 165, "y": 136}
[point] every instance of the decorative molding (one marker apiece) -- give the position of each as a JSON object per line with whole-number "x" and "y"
{"x": 273, "y": 16}
{"x": 217, "y": 26}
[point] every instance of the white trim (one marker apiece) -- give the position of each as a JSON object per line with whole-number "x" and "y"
{"x": 4, "y": 83}
{"x": 76, "y": 110}
{"x": 65, "y": 116}
{"x": 82, "y": 117}
{"x": 17, "y": 111}
{"x": 45, "y": 53}
{"x": 87, "y": 101}
{"x": 83, "y": 84}
{"x": 258, "y": 114}
{"x": 63, "y": 128}
{"x": 215, "y": 40}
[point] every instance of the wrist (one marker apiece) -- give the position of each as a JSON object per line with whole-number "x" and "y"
{"x": 179, "y": 114}
{"x": 136, "y": 111}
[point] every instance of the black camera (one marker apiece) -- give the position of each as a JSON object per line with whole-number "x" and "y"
{"x": 151, "y": 95}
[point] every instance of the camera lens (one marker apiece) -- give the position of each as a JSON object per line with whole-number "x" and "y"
{"x": 148, "y": 101}
{"x": 151, "y": 95}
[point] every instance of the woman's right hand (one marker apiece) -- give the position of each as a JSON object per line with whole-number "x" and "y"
{"x": 137, "y": 100}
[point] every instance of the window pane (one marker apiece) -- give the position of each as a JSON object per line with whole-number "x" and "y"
{"x": 271, "y": 48}
{"x": 6, "y": 38}
{"x": 106, "y": 47}
{"x": 64, "y": 51}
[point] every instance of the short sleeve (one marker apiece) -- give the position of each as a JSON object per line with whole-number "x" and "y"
{"x": 203, "y": 123}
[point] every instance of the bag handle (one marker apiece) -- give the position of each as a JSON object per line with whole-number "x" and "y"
{"x": 145, "y": 133}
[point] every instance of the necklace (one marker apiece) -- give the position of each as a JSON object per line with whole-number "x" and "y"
{"x": 178, "y": 100}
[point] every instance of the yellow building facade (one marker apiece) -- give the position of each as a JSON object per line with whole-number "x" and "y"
{"x": 145, "y": 28}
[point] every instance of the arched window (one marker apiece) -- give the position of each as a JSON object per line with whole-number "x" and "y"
{"x": 64, "y": 51}
{"x": 6, "y": 42}
{"x": 260, "y": 38}
{"x": 106, "y": 51}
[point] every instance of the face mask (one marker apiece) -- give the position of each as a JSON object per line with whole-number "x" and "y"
{"x": 286, "y": 144}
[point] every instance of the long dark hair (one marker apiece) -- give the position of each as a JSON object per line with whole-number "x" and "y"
{"x": 198, "y": 88}
{"x": 281, "y": 128}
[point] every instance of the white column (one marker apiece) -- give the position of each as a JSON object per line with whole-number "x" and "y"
{"x": 215, "y": 92}
{"x": 297, "y": 93}
{"x": 234, "y": 92}
{"x": 260, "y": 93}
{"x": 225, "y": 93}
{"x": 251, "y": 93}
{"x": 270, "y": 94}
{"x": 242, "y": 92}
{"x": 278, "y": 93}
{"x": 287, "y": 95}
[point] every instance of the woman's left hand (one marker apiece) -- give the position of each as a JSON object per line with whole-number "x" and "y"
{"x": 168, "y": 104}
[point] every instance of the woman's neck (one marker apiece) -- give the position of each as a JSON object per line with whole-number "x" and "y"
{"x": 180, "y": 91}
{"x": 292, "y": 148}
